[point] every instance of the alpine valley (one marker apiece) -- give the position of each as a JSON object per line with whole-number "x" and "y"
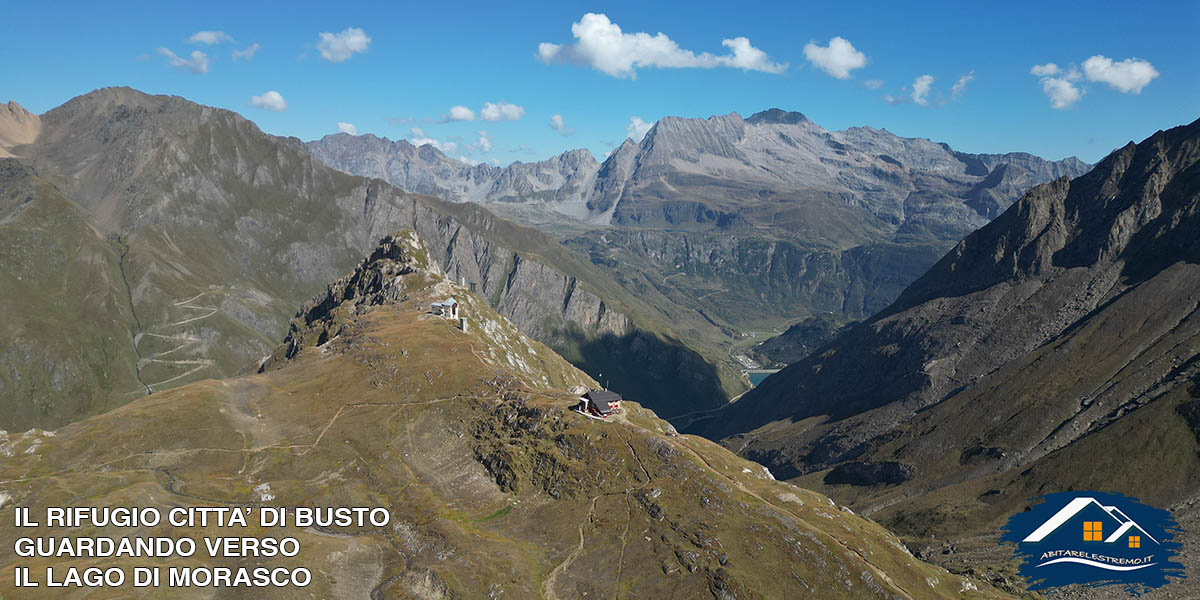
{"x": 199, "y": 313}
{"x": 1056, "y": 348}
{"x": 496, "y": 488}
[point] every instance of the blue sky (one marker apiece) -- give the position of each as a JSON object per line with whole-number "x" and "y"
{"x": 424, "y": 58}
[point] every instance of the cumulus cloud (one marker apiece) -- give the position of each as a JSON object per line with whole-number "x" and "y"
{"x": 209, "y": 38}
{"x": 484, "y": 143}
{"x": 338, "y": 47}
{"x": 1058, "y": 84}
{"x": 1061, "y": 91}
{"x": 558, "y": 124}
{"x": 601, "y": 44}
{"x": 247, "y": 53}
{"x": 873, "y": 83}
{"x": 960, "y": 86}
{"x": 347, "y": 128}
{"x": 1045, "y": 70}
{"x": 467, "y": 160}
{"x": 890, "y": 99}
{"x": 460, "y": 113}
{"x": 838, "y": 58}
{"x": 418, "y": 138}
{"x": 271, "y": 100}
{"x": 501, "y": 111}
{"x": 1064, "y": 86}
{"x": 1127, "y": 76}
{"x": 920, "y": 89}
{"x": 197, "y": 63}
{"x": 637, "y": 128}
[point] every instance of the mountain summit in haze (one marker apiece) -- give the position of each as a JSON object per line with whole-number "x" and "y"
{"x": 772, "y": 153}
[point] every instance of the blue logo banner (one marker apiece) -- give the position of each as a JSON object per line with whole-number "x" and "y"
{"x": 1095, "y": 539}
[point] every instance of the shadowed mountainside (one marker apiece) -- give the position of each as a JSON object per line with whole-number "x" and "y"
{"x": 1054, "y": 349}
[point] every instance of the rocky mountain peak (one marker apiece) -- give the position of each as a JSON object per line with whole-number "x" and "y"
{"x": 17, "y": 127}
{"x": 1132, "y": 208}
{"x": 398, "y": 266}
{"x": 776, "y": 116}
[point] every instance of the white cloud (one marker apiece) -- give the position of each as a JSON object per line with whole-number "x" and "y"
{"x": 873, "y": 83}
{"x": 1127, "y": 76}
{"x": 248, "y": 53}
{"x": 460, "y": 113}
{"x": 209, "y": 38}
{"x": 602, "y": 45}
{"x": 637, "y": 128}
{"x": 890, "y": 99}
{"x": 960, "y": 86}
{"x": 1045, "y": 70}
{"x": 1059, "y": 85}
{"x": 1063, "y": 87}
{"x": 920, "y": 89}
{"x": 271, "y": 100}
{"x": 341, "y": 46}
{"x": 470, "y": 162}
{"x": 501, "y": 111}
{"x": 837, "y": 59}
{"x": 485, "y": 142}
{"x": 558, "y": 124}
{"x": 1061, "y": 91}
{"x": 347, "y": 128}
{"x": 747, "y": 57}
{"x": 198, "y": 63}
{"x": 496, "y": 161}
{"x": 418, "y": 139}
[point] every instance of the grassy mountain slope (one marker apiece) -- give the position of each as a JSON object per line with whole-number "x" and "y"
{"x": 59, "y": 269}
{"x": 494, "y": 486}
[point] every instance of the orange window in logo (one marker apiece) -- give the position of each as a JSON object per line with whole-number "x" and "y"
{"x": 1135, "y": 541}
{"x": 1093, "y": 531}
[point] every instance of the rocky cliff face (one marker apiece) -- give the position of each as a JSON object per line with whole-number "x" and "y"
{"x": 561, "y": 182}
{"x": 218, "y": 228}
{"x": 717, "y": 172}
{"x": 1065, "y": 331}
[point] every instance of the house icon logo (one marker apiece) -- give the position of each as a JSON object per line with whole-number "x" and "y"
{"x": 1095, "y": 539}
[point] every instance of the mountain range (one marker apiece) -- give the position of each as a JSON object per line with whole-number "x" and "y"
{"x": 703, "y": 214}
{"x": 1056, "y": 348}
{"x": 965, "y": 332}
{"x": 149, "y": 241}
